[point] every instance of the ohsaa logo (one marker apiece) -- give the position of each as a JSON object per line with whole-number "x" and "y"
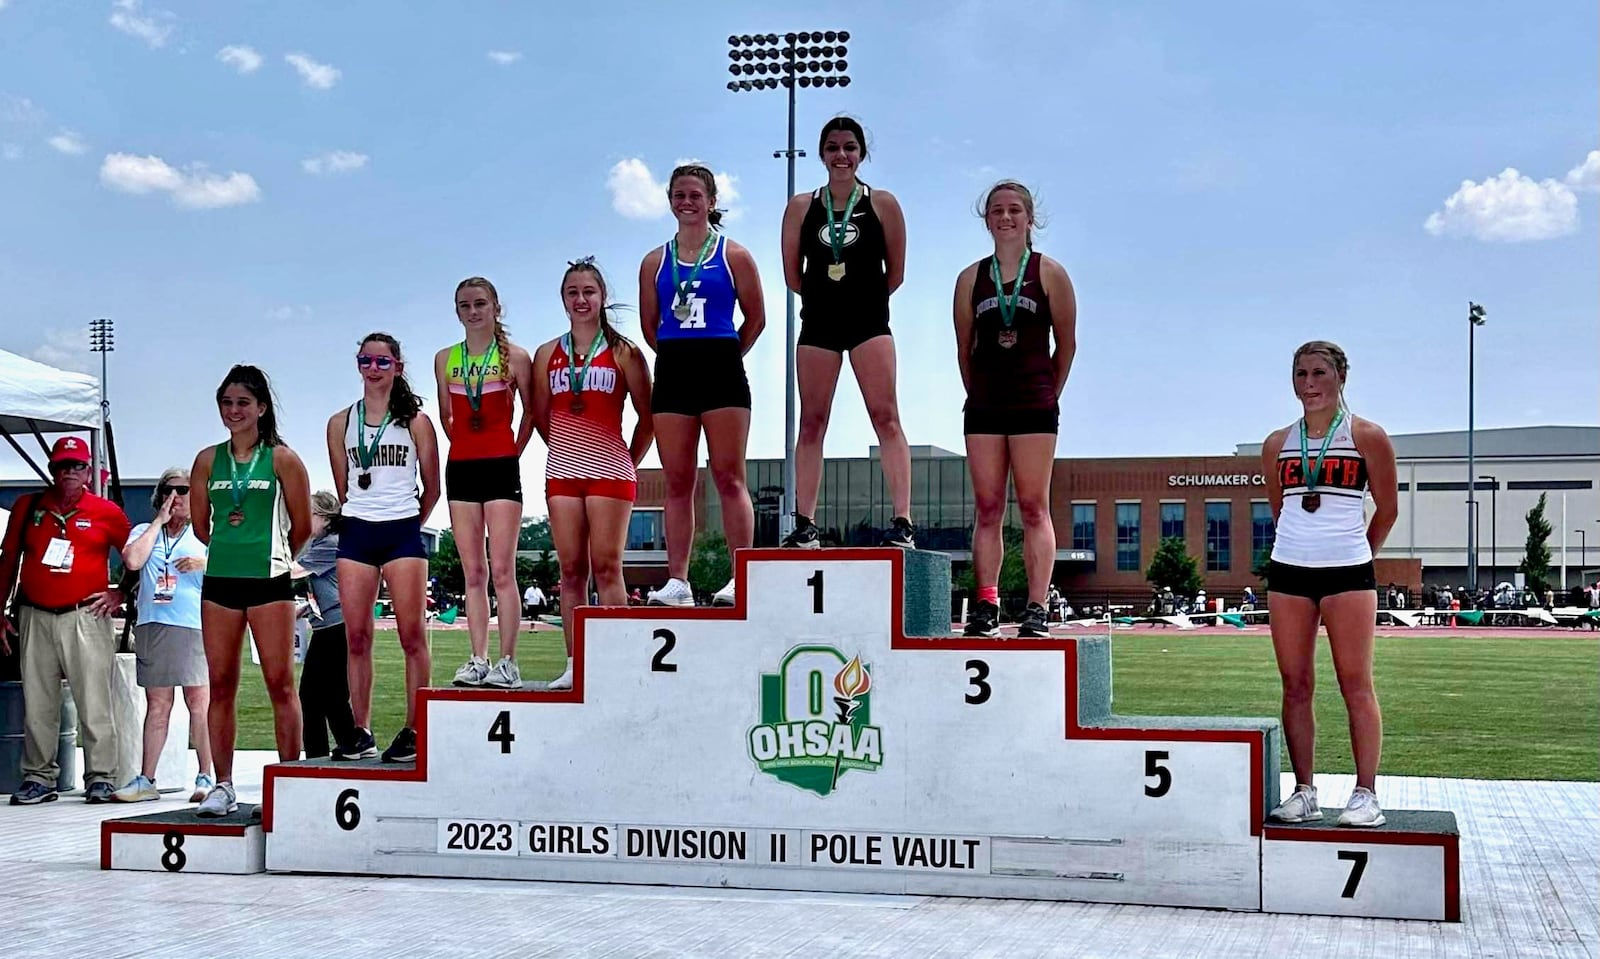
{"x": 816, "y": 720}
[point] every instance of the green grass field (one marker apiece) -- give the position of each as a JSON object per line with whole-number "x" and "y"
{"x": 1470, "y": 708}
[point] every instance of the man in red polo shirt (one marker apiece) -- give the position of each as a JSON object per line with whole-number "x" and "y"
{"x": 60, "y": 540}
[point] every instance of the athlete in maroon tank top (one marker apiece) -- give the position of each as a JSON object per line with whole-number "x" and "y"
{"x": 1009, "y": 308}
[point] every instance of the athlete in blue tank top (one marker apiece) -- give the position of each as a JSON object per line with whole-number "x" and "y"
{"x": 708, "y": 312}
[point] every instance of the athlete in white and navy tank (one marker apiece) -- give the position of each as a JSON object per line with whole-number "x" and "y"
{"x": 1335, "y": 533}
{"x": 711, "y": 298}
{"x": 392, "y": 493}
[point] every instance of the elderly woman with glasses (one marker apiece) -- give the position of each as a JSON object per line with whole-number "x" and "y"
{"x": 170, "y": 652}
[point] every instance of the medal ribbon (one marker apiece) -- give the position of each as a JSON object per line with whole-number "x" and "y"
{"x": 684, "y": 286}
{"x": 1312, "y": 470}
{"x": 836, "y": 232}
{"x": 1008, "y": 311}
{"x": 580, "y": 373}
{"x": 168, "y": 544}
{"x": 241, "y": 487}
{"x": 366, "y": 453}
{"x": 474, "y": 390}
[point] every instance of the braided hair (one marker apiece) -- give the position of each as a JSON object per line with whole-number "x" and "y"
{"x": 502, "y": 338}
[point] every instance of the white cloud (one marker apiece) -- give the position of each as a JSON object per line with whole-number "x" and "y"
{"x": 1586, "y": 175}
{"x": 242, "y": 58}
{"x": 638, "y": 195}
{"x": 67, "y": 142}
{"x": 195, "y": 187}
{"x": 282, "y": 314}
{"x": 1507, "y": 208}
{"x": 339, "y": 161}
{"x": 319, "y": 76}
{"x": 505, "y": 57}
{"x": 129, "y": 17}
{"x": 65, "y": 348}
{"x": 15, "y": 109}
{"x": 10, "y": 151}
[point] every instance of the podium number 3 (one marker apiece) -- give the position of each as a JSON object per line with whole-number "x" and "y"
{"x": 979, "y": 681}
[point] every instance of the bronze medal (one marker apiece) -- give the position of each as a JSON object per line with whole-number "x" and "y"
{"x": 476, "y": 422}
{"x": 577, "y": 405}
{"x": 236, "y": 517}
{"x": 836, "y": 271}
{"x": 1008, "y": 339}
{"x": 1311, "y": 501}
{"x": 364, "y": 481}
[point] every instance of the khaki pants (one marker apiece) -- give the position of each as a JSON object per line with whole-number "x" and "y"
{"x": 80, "y": 647}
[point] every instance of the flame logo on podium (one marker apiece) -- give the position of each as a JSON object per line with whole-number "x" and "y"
{"x": 800, "y": 741}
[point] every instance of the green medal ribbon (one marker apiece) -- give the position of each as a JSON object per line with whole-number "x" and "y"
{"x": 240, "y": 487}
{"x": 475, "y": 390}
{"x": 1008, "y": 311}
{"x": 684, "y": 286}
{"x": 581, "y": 373}
{"x": 836, "y": 231}
{"x": 1312, "y": 470}
{"x": 367, "y": 453}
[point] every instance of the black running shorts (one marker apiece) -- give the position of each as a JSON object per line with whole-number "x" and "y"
{"x": 482, "y": 481}
{"x": 1011, "y": 422}
{"x": 694, "y": 377}
{"x": 841, "y": 332}
{"x": 1318, "y": 582}
{"x": 246, "y": 592}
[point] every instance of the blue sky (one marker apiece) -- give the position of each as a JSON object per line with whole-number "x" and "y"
{"x": 267, "y": 181}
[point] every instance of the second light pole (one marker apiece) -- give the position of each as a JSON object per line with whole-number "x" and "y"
{"x": 1476, "y": 317}
{"x": 814, "y": 58}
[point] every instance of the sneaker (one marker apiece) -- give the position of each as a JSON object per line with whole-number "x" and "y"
{"x": 32, "y": 792}
{"x": 1362, "y": 809}
{"x": 504, "y": 675}
{"x": 805, "y": 535}
{"x": 202, "y": 785}
{"x": 404, "y": 747}
{"x": 140, "y": 790}
{"x": 675, "y": 593}
{"x": 99, "y": 792}
{"x": 984, "y": 620}
{"x": 900, "y": 533}
{"x": 1300, "y": 807}
{"x": 1035, "y": 623}
{"x": 219, "y": 802}
{"x": 473, "y": 672}
{"x": 365, "y": 747}
{"x": 723, "y": 596}
{"x": 564, "y": 681}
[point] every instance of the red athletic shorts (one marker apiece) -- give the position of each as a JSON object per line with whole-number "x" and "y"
{"x": 581, "y": 488}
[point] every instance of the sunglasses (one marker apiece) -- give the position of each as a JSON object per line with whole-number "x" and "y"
{"x": 165, "y": 491}
{"x": 70, "y": 466}
{"x": 370, "y": 360}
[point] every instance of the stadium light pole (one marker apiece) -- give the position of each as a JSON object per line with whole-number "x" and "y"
{"x": 1494, "y": 529}
{"x": 813, "y": 58}
{"x": 1583, "y": 554}
{"x": 1476, "y": 317}
{"x": 102, "y": 340}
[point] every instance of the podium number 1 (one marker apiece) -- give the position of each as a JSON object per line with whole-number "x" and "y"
{"x": 815, "y": 582}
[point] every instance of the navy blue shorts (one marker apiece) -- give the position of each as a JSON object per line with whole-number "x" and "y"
{"x": 375, "y": 544}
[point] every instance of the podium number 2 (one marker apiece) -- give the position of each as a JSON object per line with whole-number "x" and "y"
{"x": 1154, "y": 770}
{"x": 815, "y": 582}
{"x": 658, "y": 662}
{"x": 1358, "y": 865}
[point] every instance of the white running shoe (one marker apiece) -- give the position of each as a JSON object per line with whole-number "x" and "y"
{"x": 220, "y": 801}
{"x": 724, "y": 596}
{"x": 564, "y": 681}
{"x": 140, "y": 790}
{"x": 1300, "y": 807}
{"x": 202, "y": 785}
{"x": 1362, "y": 809}
{"x": 504, "y": 675}
{"x": 473, "y": 672}
{"x": 675, "y": 593}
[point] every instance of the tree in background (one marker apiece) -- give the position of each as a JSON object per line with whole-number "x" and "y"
{"x": 1259, "y": 568}
{"x": 1013, "y": 574}
{"x": 1535, "y": 565}
{"x": 1173, "y": 567}
{"x": 445, "y": 566}
{"x": 535, "y": 536}
{"x": 709, "y": 566}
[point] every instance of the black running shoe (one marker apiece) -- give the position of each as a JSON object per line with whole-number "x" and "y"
{"x": 404, "y": 747}
{"x": 804, "y": 536}
{"x": 365, "y": 747}
{"x": 1035, "y": 624}
{"x": 984, "y": 620}
{"x": 900, "y": 533}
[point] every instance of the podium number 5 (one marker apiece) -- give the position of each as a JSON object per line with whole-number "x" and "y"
{"x": 1154, "y": 770}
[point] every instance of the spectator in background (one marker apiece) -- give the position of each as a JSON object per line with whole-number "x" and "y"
{"x": 1248, "y": 602}
{"x": 56, "y": 556}
{"x": 324, "y": 679}
{"x": 533, "y": 599}
{"x": 169, "y": 650}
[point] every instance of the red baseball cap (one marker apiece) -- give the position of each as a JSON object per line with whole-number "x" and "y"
{"x": 69, "y": 449}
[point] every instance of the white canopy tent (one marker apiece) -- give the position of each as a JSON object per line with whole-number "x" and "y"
{"x": 38, "y": 399}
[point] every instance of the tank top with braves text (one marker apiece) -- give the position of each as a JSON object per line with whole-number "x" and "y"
{"x": 493, "y": 437}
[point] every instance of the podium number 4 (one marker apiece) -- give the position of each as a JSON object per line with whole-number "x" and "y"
{"x": 500, "y": 731}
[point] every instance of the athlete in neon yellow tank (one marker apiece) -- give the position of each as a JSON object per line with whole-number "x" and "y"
{"x": 257, "y": 547}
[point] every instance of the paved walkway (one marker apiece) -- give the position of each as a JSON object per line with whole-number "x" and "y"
{"x": 1530, "y": 878}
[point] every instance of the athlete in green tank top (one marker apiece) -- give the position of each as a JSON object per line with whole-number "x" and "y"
{"x": 249, "y": 524}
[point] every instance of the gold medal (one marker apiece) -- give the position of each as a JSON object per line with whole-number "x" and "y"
{"x": 835, "y": 271}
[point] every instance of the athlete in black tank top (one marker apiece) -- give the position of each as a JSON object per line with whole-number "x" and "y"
{"x": 1011, "y": 367}
{"x": 844, "y": 254}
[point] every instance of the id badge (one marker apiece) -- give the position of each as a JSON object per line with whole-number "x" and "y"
{"x": 58, "y": 555}
{"x": 166, "y": 585}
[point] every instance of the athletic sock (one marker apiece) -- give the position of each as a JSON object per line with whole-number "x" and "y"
{"x": 989, "y": 594}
